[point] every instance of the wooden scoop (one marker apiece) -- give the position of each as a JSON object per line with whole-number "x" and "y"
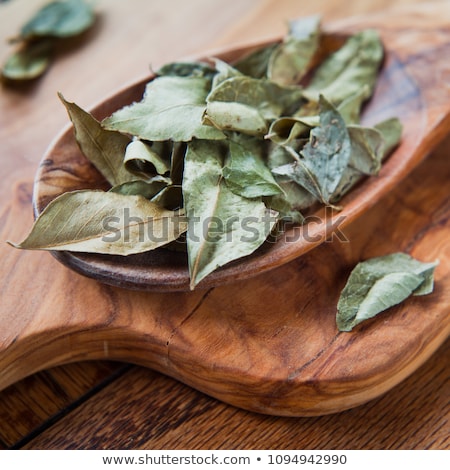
{"x": 269, "y": 343}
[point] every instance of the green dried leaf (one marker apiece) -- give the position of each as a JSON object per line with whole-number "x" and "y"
{"x": 369, "y": 147}
{"x": 289, "y": 203}
{"x": 246, "y": 104}
{"x": 379, "y": 283}
{"x": 29, "y": 62}
{"x": 231, "y": 116}
{"x": 187, "y": 69}
{"x": 172, "y": 109}
{"x": 246, "y": 174}
{"x": 291, "y": 60}
{"x": 255, "y": 64}
{"x": 285, "y": 130}
{"x": 365, "y": 159}
{"x": 324, "y": 158}
{"x": 224, "y": 72}
{"x": 99, "y": 222}
{"x": 294, "y": 198}
{"x": 350, "y": 108}
{"x": 222, "y": 225}
{"x": 140, "y": 188}
{"x": 104, "y": 149}
{"x": 354, "y": 66}
{"x": 391, "y": 130}
{"x": 147, "y": 160}
{"x": 61, "y": 18}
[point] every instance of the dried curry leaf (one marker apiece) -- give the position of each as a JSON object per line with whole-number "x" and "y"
{"x": 29, "y": 62}
{"x": 103, "y": 148}
{"x": 147, "y": 160}
{"x": 172, "y": 109}
{"x": 187, "y": 69}
{"x": 224, "y": 72}
{"x": 255, "y": 63}
{"x": 350, "y": 108}
{"x": 147, "y": 189}
{"x": 323, "y": 160}
{"x": 247, "y": 104}
{"x": 61, "y": 18}
{"x": 284, "y": 130}
{"x": 291, "y": 60}
{"x": 370, "y": 146}
{"x": 103, "y": 222}
{"x": 354, "y": 66}
{"x": 222, "y": 225}
{"x": 245, "y": 172}
{"x": 380, "y": 283}
{"x": 391, "y": 130}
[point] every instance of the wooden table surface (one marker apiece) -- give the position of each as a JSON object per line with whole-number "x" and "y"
{"x": 108, "y": 405}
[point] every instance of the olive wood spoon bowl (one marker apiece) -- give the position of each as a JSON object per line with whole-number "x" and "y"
{"x": 414, "y": 85}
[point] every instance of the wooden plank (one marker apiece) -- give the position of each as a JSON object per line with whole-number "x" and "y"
{"x": 144, "y": 410}
{"x": 29, "y": 404}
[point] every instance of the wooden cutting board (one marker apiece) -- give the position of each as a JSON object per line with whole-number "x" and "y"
{"x": 269, "y": 344}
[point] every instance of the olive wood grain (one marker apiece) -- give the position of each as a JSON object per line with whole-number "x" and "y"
{"x": 145, "y": 410}
{"x": 414, "y": 85}
{"x": 268, "y": 359}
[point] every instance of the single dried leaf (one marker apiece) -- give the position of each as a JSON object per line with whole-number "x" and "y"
{"x": 29, "y": 62}
{"x": 391, "y": 130}
{"x": 324, "y": 158}
{"x": 350, "y": 108}
{"x": 231, "y": 116}
{"x": 380, "y": 283}
{"x": 291, "y": 60}
{"x": 222, "y": 225}
{"x": 354, "y": 66}
{"x": 255, "y": 64}
{"x": 224, "y": 72}
{"x": 172, "y": 109}
{"x": 140, "y": 188}
{"x": 370, "y": 146}
{"x": 287, "y": 129}
{"x": 294, "y": 198}
{"x": 99, "y": 222}
{"x": 104, "y": 149}
{"x": 61, "y": 18}
{"x": 147, "y": 160}
{"x": 246, "y": 174}
{"x": 367, "y": 149}
{"x": 187, "y": 69}
{"x": 247, "y": 104}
